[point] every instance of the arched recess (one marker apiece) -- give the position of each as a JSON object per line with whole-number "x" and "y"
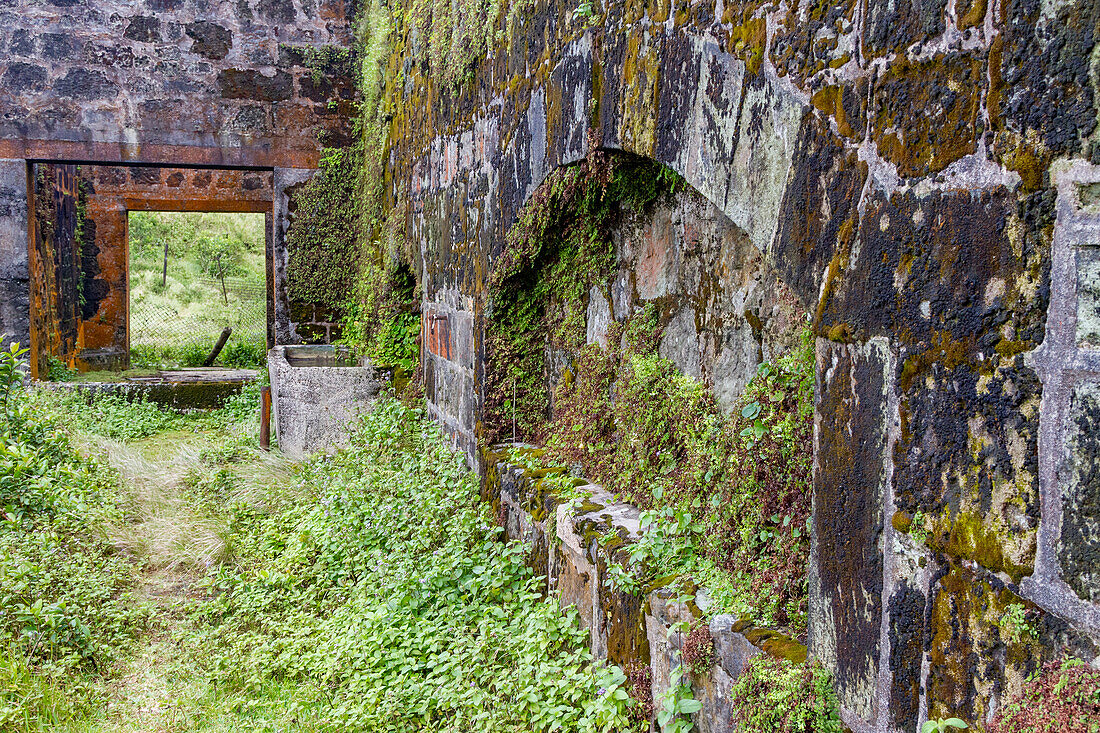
{"x": 625, "y": 316}
{"x": 755, "y": 153}
{"x": 618, "y": 247}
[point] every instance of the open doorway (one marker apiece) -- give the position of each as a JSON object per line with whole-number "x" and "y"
{"x": 197, "y": 289}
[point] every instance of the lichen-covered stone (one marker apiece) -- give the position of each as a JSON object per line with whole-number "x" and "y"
{"x": 1079, "y": 543}
{"x": 849, "y": 483}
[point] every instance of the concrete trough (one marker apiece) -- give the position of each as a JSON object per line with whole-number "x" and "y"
{"x": 317, "y": 392}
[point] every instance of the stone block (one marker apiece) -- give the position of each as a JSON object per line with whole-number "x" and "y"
{"x": 315, "y": 407}
{"x": 846, "y": 564}
{"x": 85, "y": 85}
{"x": 254, "y": 85}
{"x": 1088, "y": 297}
{"x": 1079, "y": 541}
{"x": 143, "y": 28}
{"x": 210, "y": 40}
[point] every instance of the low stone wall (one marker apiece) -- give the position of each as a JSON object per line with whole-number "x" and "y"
{"x": 624, "y": 629}
{"x": 190, "y": 389}
{"x": 315, "y": 403}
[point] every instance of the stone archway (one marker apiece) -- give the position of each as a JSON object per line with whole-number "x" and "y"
{"x": 923, "y": 253}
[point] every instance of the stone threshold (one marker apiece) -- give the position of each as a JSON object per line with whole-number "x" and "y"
{"x": 624, "y": 628}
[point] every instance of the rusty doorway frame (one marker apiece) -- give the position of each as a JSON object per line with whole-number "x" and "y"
{"x": 167, "y": 204}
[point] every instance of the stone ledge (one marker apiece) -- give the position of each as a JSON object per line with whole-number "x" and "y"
{"x": 197, "y": 389}
{"x": 564, "y": 550}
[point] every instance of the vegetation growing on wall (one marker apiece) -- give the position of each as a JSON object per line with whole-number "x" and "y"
{"x": 1063, "y": 697}
{"x": 776, "y": 696}
{"x": 556, "y": 252}
{"x": 658, "y": 439}
{"x": 382, "y": 319}
{"x": 323, "y": 239}
{"x": 726, "y": 497}
{"x": 344, "y": 253}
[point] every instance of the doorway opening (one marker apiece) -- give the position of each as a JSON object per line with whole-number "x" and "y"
{"x": 197, "y": 289}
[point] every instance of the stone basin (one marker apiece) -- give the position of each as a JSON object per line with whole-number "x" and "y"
{"x": 317, "y": 393}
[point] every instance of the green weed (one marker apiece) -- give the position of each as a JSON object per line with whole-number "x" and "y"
{"x": 411, "y": 612}
{"x": 776, "y": 696}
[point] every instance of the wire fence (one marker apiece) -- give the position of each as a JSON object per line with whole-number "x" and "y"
{"x": 173, "y": 329}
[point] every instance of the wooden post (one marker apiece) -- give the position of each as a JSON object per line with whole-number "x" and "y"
{"x": 265, "y": 417}
{"x": 218, "y": 347}
{"x": 221, "y": 274}
{"x": 164, "y": 277}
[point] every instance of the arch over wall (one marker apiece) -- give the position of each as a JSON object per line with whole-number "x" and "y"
{"x": 884, "y": 158}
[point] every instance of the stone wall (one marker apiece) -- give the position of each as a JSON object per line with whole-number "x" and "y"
{"x": 724, "y": 310}
{"x": 911, "y": 174}
{"x": 251, "y": 84}
{"x": 629, "y": 630}
{"x": 179, "y": 82}
{"x": 55, "y": 265}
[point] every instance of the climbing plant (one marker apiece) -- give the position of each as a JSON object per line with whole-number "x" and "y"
{"x": 555, "y": 253}
{"x": 726, "y": 494}
{"x": 324, "y": 234}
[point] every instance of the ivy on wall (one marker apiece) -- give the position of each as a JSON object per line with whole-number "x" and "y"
{"x": 629, "y": 418}
{"x": 324, "y": 234}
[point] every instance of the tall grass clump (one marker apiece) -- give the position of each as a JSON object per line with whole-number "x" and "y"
{"x": 389, "y": 586}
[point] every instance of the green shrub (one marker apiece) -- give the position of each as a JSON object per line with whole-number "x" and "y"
{"x": 730, "y": 491}
{"x": 194, "y": 354}
{"x": 244, "y": 355}
{"x": 776, "y": 696}
{"x": 108, "y": 415}
{"x": 59, "y": 371}
{"x": 390, "y": 587}
{"x": 64, "y": 592}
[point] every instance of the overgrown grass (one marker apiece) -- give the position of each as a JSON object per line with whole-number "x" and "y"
{"x": 368, "y": 590}
{"x": 68, "y": 613}
{"x": 176, "y": 320}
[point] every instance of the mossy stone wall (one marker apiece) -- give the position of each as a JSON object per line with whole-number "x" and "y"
{"x": 906, "y": 168}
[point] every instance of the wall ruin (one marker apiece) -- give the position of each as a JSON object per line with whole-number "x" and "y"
{"x": 900, "y": 168}
{"x": 254, "y": 86}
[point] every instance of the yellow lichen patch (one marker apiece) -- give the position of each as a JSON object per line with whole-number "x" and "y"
{"x": 977, "y": 537}
{"x": 837, "y": 264}
{"x": 945, "y": 351}
{"x": 659, "y": 10}
{"x": 972, "y": 617}
{"x": 947, "y": 91}
{"x": 1024, "y": 154}
{"x": 641, "y": 73}
{"x": 971, "y": 13}
{"x": 829, "y": 101}
{"x": 633, "y": 11}
{"x": 748, "y": 41}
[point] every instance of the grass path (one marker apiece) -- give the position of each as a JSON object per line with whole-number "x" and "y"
{"x": 163, "y": 687}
